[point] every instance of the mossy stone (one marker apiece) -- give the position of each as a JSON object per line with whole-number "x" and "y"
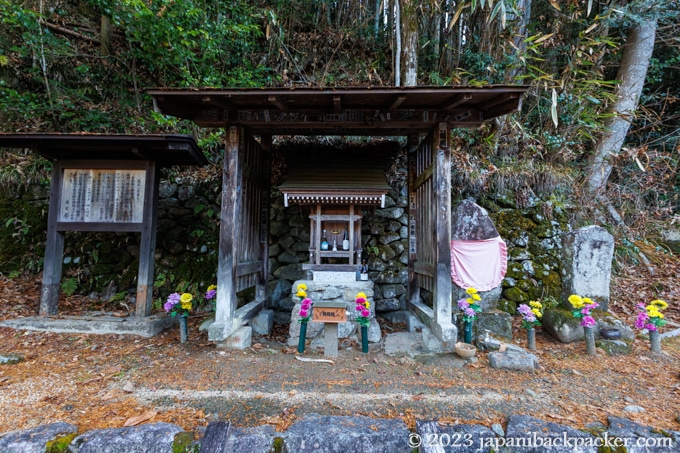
{"x": 515, "y": 271}
{"x": 60, "y": 444}
{"x": 615, "y": 347}
{"x": 183, "y": 443}
{"x": 507, "y": 306}
{"x": 515, "y": 294}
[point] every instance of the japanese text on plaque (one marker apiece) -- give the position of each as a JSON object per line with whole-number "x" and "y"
{"x": 102, "y": 196}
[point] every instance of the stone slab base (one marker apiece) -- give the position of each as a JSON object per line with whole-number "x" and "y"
{"x": 241, "y": 339}
{"x": 95, "y": 323}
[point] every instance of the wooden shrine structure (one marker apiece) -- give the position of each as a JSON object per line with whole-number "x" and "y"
{"x": 104, "y": 182}
{"x": 425, "y": 115}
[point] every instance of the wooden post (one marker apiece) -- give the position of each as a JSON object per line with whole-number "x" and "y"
{"x": 229, "y": 239}
{"x": 262, "y": 278}
{"x": 54, "y": 248}
{"x": 147, "y": 246}
{"x": 443, "y": 287}
{"x": 413, "y": 287}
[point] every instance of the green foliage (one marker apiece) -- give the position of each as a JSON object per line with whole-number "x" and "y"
{"x": 69, "y": 286}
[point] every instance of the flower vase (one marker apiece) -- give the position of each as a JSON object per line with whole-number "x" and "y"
{"x": 303, "y": 337}
{"x": 655, "y": 341}
{"x": 364, "y": 339}
{"x": 183, "y": 328}
{"x": 467, "y": 332}
{"x": 531, "y": 339}
{"x": 590, "y": 340}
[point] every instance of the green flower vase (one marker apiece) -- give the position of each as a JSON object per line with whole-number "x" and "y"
{"x": 303, "y": 337}
{"x": 183, "y": 328}
{"x": 467, "y": 332}
{"x": 364, "y": 339}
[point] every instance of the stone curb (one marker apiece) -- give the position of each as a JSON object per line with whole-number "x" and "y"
{"x": 331, "y": 434}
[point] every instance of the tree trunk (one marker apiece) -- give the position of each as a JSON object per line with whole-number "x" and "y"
{"x": 409, "y": 42}
{"x": 397, "y": 52}
{"x": 105, "y": 32}
{"x": 634, "y": 63}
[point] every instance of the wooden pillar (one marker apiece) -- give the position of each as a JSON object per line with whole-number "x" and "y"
{"x": 229, "y": 238}
{"x": 413, "y": 287}
{"x": 54, "y": 248}
{"x": 443, "y": 287}
{"x": 147, "y": 247}
{"x": 261, "y": 289}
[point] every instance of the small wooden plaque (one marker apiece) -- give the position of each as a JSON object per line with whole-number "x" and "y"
{"x": 329, "y": 312}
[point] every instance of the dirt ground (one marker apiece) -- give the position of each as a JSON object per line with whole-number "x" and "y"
{"x": 100, "y": 381}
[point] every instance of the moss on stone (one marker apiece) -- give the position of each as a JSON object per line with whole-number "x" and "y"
{"x": 515, "y": 294}
{"x": 184, "y": 443}
{"x": 507, "y": 306}
{"x": 60, "y": 444}
{"x": 511, "y": 223}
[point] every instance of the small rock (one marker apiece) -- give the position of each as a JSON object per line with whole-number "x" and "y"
{"x": 128, "y": 387}
{"x": 531, "y": 393}
{"x": 634, "y": 409}
{"x": 628, "y": 399}
{"x": 498, "y": 429}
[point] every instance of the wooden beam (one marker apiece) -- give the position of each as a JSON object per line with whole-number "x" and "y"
{"x": 424, "y": 176}
{"x": 445, "y": 330}
{"x": 54, "y": 248}
{"x": 413, "y": 287}
{"x": 248, "y": 268}
{"x": 261, "y": 290}
{"x": 147, "y": 246}
{"x": 337, "y": 104}
{"x": 502, "y": 99}
{"x": 229, "y": 238}
{"x": 274, "y": 100}
{"x": 397, "y": 102}
{"x": 460, "y": 99}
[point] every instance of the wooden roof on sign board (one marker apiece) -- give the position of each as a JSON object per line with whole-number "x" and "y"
{"x": 374, "y": 111}
{"x": 165, "y": 149}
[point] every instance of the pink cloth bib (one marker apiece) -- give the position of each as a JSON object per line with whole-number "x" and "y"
{"x": 479, "y": 264}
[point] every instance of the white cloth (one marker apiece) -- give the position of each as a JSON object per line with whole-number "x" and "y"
{"x": 479, "y": 264}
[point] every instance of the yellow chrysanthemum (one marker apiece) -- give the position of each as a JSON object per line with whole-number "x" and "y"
{"x": 476, "y": 297}
{"x": 576, "y": 301}
{"x": 536, "y": 304}
{"x": 302, "y": 287}
{"x": 662, "y": 305}
{"x": 301, "y": 294}
{"x": 185, "y": 305}
{"x": 471, "y": 291}
{"x": 361, "y": 295}
{"x": 186, "y": 298}
{"x": 587, "y": 300}
{"x": 367, "y": 304}
{"x": 211, "y": 287}
{"x": 537, "y": 312}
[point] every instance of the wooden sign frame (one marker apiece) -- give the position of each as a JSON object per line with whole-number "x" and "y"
{"x": 58, "y": 223}
{"x": 329, "y": 312}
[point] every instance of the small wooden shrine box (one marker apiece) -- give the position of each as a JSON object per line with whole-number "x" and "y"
{"x": 335, "y": 194}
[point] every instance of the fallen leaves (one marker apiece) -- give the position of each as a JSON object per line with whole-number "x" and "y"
{"x": 139, "y": 419}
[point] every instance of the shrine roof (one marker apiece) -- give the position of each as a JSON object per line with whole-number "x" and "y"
{"x": 330, "y": 179}
{"x": 165, "y": 149}
{"x": 381, "y": 111}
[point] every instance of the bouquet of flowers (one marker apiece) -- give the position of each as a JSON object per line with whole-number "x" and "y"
{"x": 178, "y": 304}
{"x": 650, "y": 316}
{"x": 362, "y": 306}
{"x": 469, "y": 305}
{"x": 306, "y": 306}
{"x": 531, "y": 314}
{"x": 582, "y": 307}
